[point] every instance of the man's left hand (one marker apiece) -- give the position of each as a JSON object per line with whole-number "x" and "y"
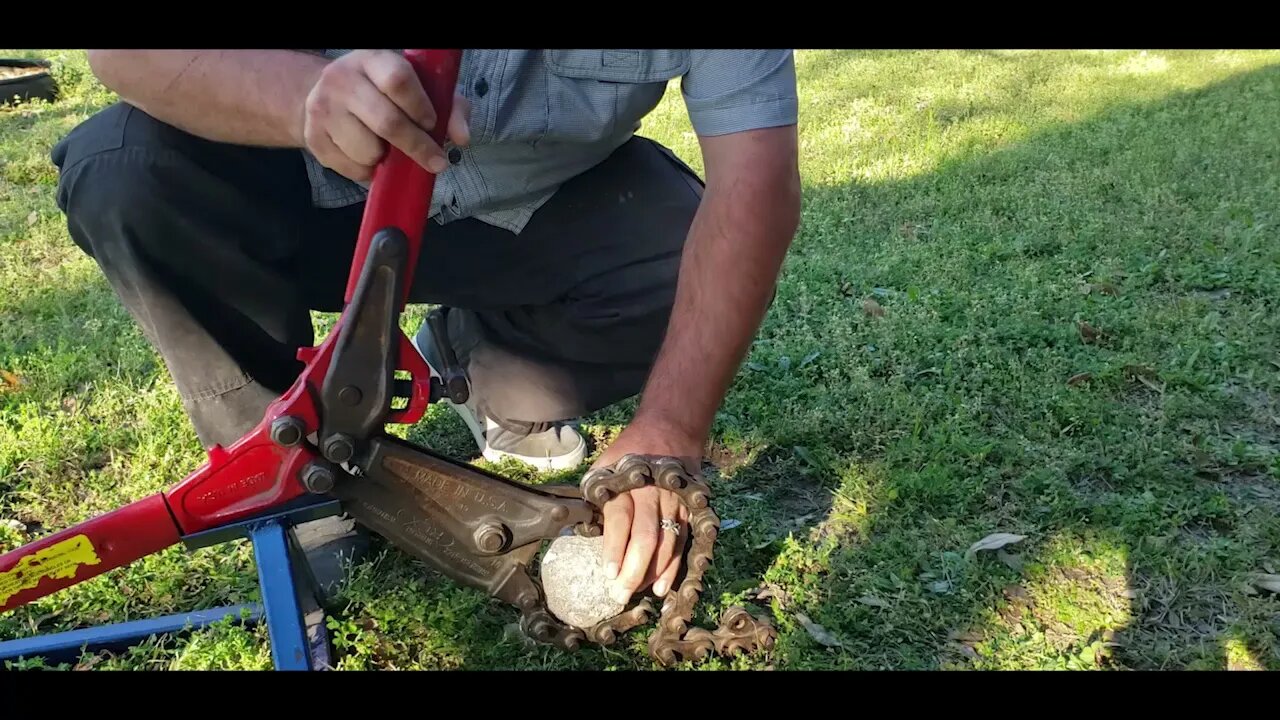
{"x": 638, "y": 550}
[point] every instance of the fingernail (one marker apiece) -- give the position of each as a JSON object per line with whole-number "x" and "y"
{"x": 660, "y": 588}
{"x": 437, "y": 164}
{"x": 611, "y": 570}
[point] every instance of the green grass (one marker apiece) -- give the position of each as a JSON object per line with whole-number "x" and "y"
{"x": 989, "y": 203}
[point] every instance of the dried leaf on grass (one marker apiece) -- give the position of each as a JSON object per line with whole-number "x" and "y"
{"x": 1079, "y": 378}
{"x": 1150, "y": 384}
{"x": 817, "y": 632}
{"x": 872, "y": 308}
{"x": 1265, "y": 581}
{"x": 774, "y": 592}
{"x": 88, "y": 663}
{"x": 8, "y": 381}
{"x": 994, "y": 541}
{"x": 1144, "y": 375}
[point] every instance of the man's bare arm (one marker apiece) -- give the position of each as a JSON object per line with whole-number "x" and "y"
{"x": 741, "y": 233}
{"x": 247, "y": 97}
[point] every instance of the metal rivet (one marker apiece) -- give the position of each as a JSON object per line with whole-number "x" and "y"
{"x": 350, "y": 395}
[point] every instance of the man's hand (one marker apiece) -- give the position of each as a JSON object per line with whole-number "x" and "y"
{"x": 638, "y": 550}
{"x": 367, "y": 99}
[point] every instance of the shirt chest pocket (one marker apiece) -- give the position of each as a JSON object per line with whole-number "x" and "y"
{"x": 594, "y": 95}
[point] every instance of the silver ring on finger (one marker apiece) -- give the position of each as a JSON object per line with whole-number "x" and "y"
{"x": 670, "y": 525}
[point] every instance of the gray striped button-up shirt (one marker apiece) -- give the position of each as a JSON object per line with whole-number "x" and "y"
{"x": 541, "y": 117}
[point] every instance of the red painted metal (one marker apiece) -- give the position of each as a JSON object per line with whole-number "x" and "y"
{"x": 84, "y": 551}
{"x": 420, "y": 398}
{"x": 254, "y": 474}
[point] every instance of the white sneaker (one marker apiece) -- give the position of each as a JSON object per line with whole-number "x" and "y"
{"x": 547, "y": 447}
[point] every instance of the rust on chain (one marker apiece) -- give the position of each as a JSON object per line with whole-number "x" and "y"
{"x": 485, "y": 531}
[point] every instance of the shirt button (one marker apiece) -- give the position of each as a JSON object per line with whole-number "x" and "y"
{"x": 455, "y": 155}
{"x": 482, "y": 87}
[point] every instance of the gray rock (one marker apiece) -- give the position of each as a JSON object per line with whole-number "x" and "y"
{"x": 574, "y": 582}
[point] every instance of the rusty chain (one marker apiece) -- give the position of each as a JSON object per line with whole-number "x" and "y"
{"x": 673, "y": 639}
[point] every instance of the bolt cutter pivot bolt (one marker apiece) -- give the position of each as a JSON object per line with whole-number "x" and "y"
{"x": 339, "y": 448}
{"x": 491, "y": 537}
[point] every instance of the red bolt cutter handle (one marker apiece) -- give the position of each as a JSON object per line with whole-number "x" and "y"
{"x": 402, "y": 189}
{"x": 255, "y": 474}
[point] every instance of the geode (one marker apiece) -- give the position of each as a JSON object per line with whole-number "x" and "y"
{"x": 573, "y": 580}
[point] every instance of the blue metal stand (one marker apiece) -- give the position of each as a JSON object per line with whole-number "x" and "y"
{"x": 289, "y": 605}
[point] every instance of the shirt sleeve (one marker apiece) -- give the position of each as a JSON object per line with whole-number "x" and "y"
{"x": 728, "y": 91}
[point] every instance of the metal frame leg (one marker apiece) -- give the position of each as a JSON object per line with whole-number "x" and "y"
{"x": 274, "y": 554}
{"x": 67, "y": 646}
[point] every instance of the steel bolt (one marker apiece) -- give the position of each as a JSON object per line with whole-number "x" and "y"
{"x": 339, "y": 448}
{"x": 317, "y": 478}
{"x": 287, "y": 431}
{"x": 490, "y": 537}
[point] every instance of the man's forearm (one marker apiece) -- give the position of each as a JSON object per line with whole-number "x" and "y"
{"x": 736, "y": 246}
{"x": 247, "y": 97}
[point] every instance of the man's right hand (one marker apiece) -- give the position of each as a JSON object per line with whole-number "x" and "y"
{"x": 366, "y": 99}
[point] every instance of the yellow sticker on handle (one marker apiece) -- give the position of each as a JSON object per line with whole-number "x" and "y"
{"x": 58, "y": 561}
